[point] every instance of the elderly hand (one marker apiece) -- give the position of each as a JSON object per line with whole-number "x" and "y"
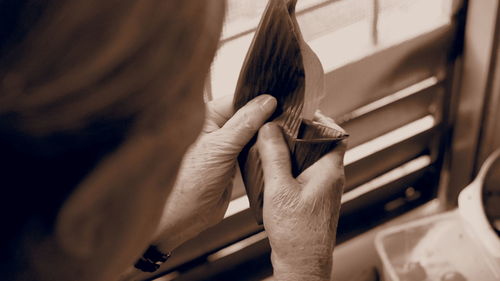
{"x": 203, "y": 187}
{"x": 300, "y": 214}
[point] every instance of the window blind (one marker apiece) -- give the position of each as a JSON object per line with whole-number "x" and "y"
{"x": 386, "y": 70}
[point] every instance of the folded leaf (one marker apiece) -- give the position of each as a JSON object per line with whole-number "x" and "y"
{"x": 280, "y": 63}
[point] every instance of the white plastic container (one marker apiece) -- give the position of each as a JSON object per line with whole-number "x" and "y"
{"x": 459, "y": 245}
{"x": 434, "y": 247}
{"x": 470, "y": 205}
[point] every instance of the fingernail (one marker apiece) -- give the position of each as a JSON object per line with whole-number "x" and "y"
{"x": 267, "y": 102}
{"x": 271, "y": 131}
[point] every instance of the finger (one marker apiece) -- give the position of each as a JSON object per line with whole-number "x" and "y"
{"x": 274, "y": 154}
{"x": 327, "y": 172}
{"x": 247, "y": 120}
{"x": 218, "y": 111}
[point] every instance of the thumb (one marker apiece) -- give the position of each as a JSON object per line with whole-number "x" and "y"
{"x": 245, "y": 123}
{"x": 327, "y": 172}
{"x": 274, "y": 154}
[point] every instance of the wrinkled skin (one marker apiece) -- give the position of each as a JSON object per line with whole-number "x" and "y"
{"x": 300, "y": 214}
{"x": 203, "y": 187}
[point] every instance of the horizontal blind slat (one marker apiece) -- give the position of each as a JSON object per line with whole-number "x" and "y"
{"x": 387, "y": 159}
{"x": 358, "y": 83}
{"x": 390, "y": 116}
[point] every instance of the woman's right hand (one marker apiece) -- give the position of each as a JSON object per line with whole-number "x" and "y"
{"x": 300, "y": 214}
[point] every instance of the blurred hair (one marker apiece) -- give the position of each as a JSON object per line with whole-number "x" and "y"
{"x": 77, "y": 77}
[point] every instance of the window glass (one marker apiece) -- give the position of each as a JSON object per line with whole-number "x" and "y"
{"x": 340, "y": 32}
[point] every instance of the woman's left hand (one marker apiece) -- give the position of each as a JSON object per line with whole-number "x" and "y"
{"x": 202, "y": 191}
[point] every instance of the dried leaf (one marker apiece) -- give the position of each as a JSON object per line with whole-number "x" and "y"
{"x": 280, "y": 63}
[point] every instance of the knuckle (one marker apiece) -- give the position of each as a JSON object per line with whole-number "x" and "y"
{"x": 338, "y": 181}
{"x": 278, "y": 162}
{"x": 248, "y": 123}
{"x": 272, "y": 147}
{"x": 341, "y": 179}
{"x": 278, "y": 148}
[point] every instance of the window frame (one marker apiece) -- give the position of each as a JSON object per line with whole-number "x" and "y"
{"x": 241, "y": 220}
{"x": 475, "y": 89}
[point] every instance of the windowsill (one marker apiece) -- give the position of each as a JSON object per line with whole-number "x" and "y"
{"x": 347, "y": 259}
